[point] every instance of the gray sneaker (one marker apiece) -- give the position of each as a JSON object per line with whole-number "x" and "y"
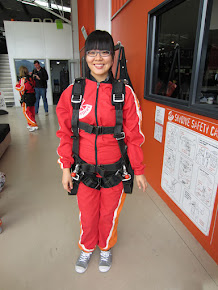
{"x": 105, "y": 261}
{"x": 82, "y": 262}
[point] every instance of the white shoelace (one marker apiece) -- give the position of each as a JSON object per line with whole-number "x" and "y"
{"x": 105, "y": 255}
{"x": 84, "y": 256}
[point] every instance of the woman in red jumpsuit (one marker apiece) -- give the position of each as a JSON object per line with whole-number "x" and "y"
{"x": 99, "y": 208}
{"x": 26, "y": 88}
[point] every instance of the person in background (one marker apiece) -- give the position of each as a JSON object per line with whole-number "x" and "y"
{"x": 99, "y": 206}
{"x": 26, "y": 88}
{"x": 40, "y": 76}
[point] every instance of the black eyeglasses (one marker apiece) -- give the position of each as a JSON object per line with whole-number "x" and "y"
{"x": 102, "y": 53}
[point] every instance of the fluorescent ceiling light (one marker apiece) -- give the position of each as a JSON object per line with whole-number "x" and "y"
{"x": 45, "y": 4}
{"x": 54, "y": 6}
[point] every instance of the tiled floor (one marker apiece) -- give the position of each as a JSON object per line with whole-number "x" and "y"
{"x": 39, "y": 244}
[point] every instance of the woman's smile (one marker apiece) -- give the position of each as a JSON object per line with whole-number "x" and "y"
{"x": 99, "y": 66}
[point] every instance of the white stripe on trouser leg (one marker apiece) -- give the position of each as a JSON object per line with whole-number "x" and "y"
{"x": 81, "y": 233}
{"x": 114, "y": 218}
{"x": 27, "y": 115}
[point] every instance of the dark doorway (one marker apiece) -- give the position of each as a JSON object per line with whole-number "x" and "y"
{"x": 59, "y": 78}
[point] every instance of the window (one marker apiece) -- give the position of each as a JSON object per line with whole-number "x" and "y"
{"x": 207, "y": 95}
{"x": 29, "y": 63}
{"x": 182, "y": 56}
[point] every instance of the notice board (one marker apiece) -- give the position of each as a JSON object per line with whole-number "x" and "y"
{"x": 190, "y": 167}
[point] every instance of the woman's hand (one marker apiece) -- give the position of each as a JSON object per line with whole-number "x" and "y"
{"x": 67, "y": 179}
{"x": 141, "y": 182}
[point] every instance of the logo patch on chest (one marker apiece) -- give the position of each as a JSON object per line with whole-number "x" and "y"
{"x": 84, "y": 110}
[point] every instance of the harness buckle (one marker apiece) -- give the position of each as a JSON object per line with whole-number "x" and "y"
{"x": 116, "y": 98}
{"x": 75, "y": 174}
{"x": 120, "y": 136}
{"x": 74, "y": 137}
{"x": 125, "y": 174}
{"x": 99, "y": 130}
{"x": 98, "y": 184}
{"x": 76, "y": 177}
{"x": 76, "y": 101}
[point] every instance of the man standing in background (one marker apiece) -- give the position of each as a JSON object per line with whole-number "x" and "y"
{"x": 40, "y": 76}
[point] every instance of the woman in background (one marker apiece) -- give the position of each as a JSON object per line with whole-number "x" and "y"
{"x": 26, "y": 88}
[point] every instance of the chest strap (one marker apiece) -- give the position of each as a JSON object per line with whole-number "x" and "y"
{"x": 97, "y": 130}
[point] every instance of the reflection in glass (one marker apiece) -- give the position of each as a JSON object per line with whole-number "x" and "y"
{"x": 174, "y": 49}
{"x": 29, "y": 63}
{"x": 209, "y": 87}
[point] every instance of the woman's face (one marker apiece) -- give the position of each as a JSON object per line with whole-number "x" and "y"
{"x": 99, "y": 66}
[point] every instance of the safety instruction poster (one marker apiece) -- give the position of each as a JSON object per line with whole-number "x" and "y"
{"x": 190, "y": 167}
{"x": 159, "y": 121}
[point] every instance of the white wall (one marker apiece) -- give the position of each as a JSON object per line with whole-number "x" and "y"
{"x": 74, "y": 24}
{"x": 37, "y": 40}
{"x": 103, "y": 15}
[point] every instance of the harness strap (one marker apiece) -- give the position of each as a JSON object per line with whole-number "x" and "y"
{"x": 100, "y": 169}
{"x": 76, "y": 99}
{"x": 97, "y": 130}
{"x": 111, "y": 174}
{"x": 118, "y": 96}
{"x": 27, "y": 79}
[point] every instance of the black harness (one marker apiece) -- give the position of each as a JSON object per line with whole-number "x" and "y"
{"x": 111, "y": 174}
{"x": 28, "y": 98}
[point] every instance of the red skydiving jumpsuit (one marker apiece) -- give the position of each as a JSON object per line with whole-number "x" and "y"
{"x": 100, "y": 209}
{"x": 28, "y": 111}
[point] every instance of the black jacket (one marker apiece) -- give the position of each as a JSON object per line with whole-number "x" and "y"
{"x": 42, "y": 73}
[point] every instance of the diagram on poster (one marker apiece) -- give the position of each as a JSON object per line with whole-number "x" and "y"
{"x": 185, "y": 171}
{"x": 196, "y": 211}
{"x": 190, "y": 173}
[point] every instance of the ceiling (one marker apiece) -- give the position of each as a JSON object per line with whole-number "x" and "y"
{"x": 13, "y": 9}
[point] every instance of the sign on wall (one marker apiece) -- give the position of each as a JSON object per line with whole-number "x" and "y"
{"x": 190, "y": 166}
{"x": 159, "y": 122}
{"x": 2, "y": 101}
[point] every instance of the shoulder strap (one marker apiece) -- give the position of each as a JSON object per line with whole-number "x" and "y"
{"x": 123, "y": 69}
{"x": 118, "y": 99}
{"x": 29, "y": 79}
{"x": 76, "y": 100}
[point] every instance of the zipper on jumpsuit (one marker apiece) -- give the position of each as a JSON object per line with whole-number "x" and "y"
{"x": 96, "y": 118}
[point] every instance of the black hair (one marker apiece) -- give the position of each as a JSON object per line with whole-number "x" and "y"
{"x": 101, "y": 40}
{"x": 36, "y": 61}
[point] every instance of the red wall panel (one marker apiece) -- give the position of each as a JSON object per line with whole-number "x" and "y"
{"x": 86, "y": 18}
{"x": 130, "y": 27}
{"x": 116, "y": 5}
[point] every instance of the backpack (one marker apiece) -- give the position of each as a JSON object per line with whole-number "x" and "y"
{"x": 29, "y": 98}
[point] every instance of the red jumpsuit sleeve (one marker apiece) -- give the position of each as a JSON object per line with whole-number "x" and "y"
{"x": 134, "y": 138}
{"x": 20, "y": 87}
{"x": 64, "y": 113}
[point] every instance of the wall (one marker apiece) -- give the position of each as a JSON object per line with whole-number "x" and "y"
{"x": 103, "y": 15}
{"x": 93, "y": 14}
{"x": 86, "y": 18}
{"x": 37, "y": 40}
{"x": 130, "y": 27}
